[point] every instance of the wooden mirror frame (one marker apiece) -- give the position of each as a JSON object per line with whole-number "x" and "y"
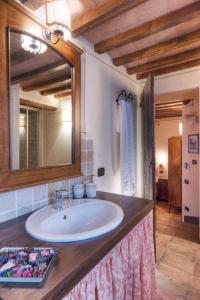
{"x": 15, "y": 16}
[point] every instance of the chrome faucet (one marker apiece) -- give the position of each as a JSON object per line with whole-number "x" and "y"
{"x": 59, "y": 197}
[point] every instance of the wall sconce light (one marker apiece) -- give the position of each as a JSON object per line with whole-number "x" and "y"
{"x": 161, "y": 158}
{"x": 22, "y": 120}
{"x": 58, "y": 17}
{"x": 180, "y": 128}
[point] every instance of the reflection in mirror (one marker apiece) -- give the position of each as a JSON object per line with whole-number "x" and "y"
{"x": 40, "y": 105}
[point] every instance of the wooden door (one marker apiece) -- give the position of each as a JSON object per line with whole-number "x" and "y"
{"x": 148, "y": 146}
{"x": 175, "y": 172}
{"x": 148, "y": 139}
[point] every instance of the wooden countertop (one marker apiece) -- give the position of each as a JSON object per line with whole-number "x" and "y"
{"x": 75, "y": 259}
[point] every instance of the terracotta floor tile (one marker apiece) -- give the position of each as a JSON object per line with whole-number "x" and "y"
{"x": 161, "y": 228}
{"x": 159, "y": 253}
{"x": 188, "y": 225}
{"x": 171, "y": 230}
{"x": 195, "y": 283}
{"x": 175, "y": 223}
{"x": 196, "y": 248}
{"x": 163, "y": 239}
{"x": 191, "y": 230}
{"x": 180, "y": 261}
{"x": 167, "y": 287}
{"x": 162, "y": 222}
{"x": 176, "y": 276}
{"x": 193, "y": 295}
{"x": 178, "y": 245}
{"x": 176, "y": 216}
{"x": 187, "y": 235}
{"x": 197, "y": 268}
{"x": 178, "y": 257}
{"x": 194, "y": 288}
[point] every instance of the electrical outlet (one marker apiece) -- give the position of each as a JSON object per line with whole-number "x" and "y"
{"x": 186, "y": 165}
{"x": 100, "y": 172}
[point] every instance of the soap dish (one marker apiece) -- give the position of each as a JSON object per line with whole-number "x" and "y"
{"x": 26, "y": 266}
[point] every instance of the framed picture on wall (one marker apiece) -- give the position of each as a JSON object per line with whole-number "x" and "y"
{"x": 193, "y": 143}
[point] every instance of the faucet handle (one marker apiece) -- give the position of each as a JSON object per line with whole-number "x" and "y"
{"x": 59, "y": 196}
{"x": 62, "y": 194}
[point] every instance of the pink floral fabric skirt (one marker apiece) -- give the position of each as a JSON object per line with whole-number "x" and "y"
{"x": 127, "y": 272}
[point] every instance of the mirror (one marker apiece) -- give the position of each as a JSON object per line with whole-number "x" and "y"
{"x": 40, "y": 104}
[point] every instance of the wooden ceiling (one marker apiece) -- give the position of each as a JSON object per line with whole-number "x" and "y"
{"x": 145, "y": 36}
{"x": 168, "y": 109}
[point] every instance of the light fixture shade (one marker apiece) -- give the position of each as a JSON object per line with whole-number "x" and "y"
{"x": 180, "y": 128}
{"x": 58, "y": 13}
{"x": 32, "y": 45}
{"x": 22, "y": 120}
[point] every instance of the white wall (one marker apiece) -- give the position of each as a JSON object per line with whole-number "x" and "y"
{"x": 38, "y": 98}
{"x": 190, "y": 192}
{"x": 57, "y": 136}
{"x": 101, "y": 84}
{"x": 179, "y": 81}
{"x": 164, "y": 129}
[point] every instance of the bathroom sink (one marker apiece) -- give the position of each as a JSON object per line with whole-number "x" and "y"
{"x": 81, "y": 219}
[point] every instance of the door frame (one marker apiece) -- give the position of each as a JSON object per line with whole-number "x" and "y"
{"x": 191, "y": 93}
{"x": 148, "y": 92}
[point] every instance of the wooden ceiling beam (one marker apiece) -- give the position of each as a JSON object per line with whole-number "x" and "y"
{"x": 49, "y": 69}
{"x": 34, "y": 104}
{"x": 164, "y": 22}
{"x": 170, "y": 69}
{"x": 46, "y": 84}
{"x": 64, "y": 94}
{"x": 56, "y": 90}
{"x": 168, "y": 111}
{"x": 165, "y": 62}
{"x": 164, "y": 47}
{"x": 101, "y": 14}
{"x": 169, "y": 115}
{"x": 169, "y": 103}
{"x": 168, "y": 108}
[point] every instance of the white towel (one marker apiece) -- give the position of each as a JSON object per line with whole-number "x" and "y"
{"x": 127, "y": 124}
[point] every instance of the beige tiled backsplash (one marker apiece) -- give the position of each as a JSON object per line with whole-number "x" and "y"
{"x": 22, "y": 201}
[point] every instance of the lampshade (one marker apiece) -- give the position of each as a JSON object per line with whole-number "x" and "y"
{"x": 180, "y": 128}
{"x": 58, "y": 13}
{"x": 32, "y": 45}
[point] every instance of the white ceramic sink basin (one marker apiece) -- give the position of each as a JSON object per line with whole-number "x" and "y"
{"x": 81, "y": 220}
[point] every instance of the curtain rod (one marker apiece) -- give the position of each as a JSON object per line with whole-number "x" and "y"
{"x": 127, "y": 96}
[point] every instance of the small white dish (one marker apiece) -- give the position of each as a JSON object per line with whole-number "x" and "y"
{"x": 91, "y": 190}
{"x": 78, "y": 190}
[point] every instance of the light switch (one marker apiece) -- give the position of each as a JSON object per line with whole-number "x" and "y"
{"x": 100, "y": 172}
{"x": 186, "y": 165}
